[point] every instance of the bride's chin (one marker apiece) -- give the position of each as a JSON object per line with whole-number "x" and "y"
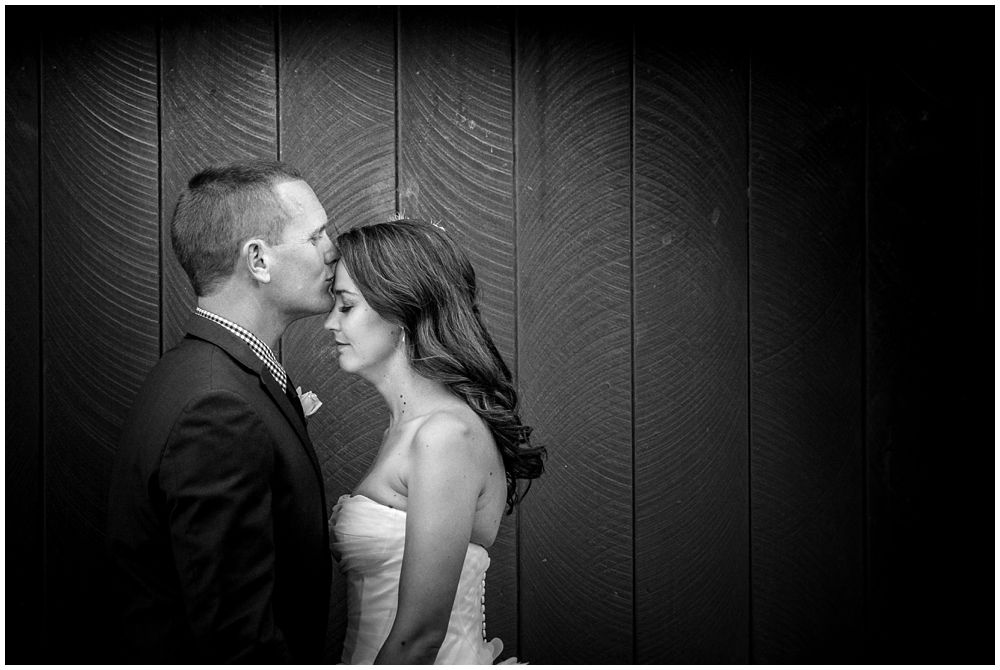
{"x": 340, "y": 364}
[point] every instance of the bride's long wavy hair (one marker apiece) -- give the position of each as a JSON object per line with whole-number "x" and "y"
{"x": 416, "y": 277}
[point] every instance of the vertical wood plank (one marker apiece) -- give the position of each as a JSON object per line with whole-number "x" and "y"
{"x": 574, "y": 335}
{"x": 23, "y": 453}
{"x": 690, "y": 295}
{"x": 338, "y": 126}
{"x": 806, "y": 240}
{"x": 930, "y": 401}
{"x": 456, "y": 146}
{"x": 101, "y": 312}
{"x": 218, "y": 104}
{"x": 456, "y": 169}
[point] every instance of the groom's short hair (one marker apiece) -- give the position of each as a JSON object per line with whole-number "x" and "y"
{"x": 222, "y": 207}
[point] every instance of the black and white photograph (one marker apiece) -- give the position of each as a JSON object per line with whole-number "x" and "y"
{"x": 495, "y": 334}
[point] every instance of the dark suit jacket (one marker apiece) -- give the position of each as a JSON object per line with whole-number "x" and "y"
{"x": 217, "y": 522}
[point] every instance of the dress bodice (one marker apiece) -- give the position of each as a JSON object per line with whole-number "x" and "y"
{"x": 367, "y": 540}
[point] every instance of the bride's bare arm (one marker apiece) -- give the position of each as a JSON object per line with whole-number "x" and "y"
{"x": 445, "y": 480}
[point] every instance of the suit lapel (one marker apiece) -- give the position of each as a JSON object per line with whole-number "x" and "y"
{"x": 236, "y": 348}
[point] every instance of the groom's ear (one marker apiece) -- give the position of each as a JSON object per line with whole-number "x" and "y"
{"x": 255, "y": 254}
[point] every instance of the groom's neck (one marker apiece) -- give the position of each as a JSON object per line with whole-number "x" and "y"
{"x": 246, "y": 311}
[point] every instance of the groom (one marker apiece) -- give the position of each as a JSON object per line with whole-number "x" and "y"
{"x": 217, "y": 523}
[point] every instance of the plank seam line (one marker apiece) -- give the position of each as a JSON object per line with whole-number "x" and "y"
{"x": 865, "y": 305}
{"x": 749, "y": 358}
{"x": 517, "y": 321}
{"x": 276, "y": 19}
{"x": 398, "y": 105}
{"x": 277, "y": 80}
{"x": 159, "y": 177}
{"x": 42, "y": 471}
{"x": 632, "y": 285}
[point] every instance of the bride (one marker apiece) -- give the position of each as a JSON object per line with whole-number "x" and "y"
{"x": 411, "y": 540}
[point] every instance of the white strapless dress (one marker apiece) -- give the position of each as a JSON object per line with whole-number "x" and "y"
{"x": 367, "y": 539}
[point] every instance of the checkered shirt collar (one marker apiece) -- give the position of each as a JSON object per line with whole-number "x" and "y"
{"x": 256, "y": 345}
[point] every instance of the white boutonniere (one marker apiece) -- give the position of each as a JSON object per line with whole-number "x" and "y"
{"x": 310, "y": 403}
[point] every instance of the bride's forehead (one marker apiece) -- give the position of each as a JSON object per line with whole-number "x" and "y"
{"x": 341, "y": 277}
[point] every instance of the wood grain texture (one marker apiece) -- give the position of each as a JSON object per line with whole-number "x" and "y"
{"x": 456, "y": 168}
{"x": 806, "y": 240}
{"x": 574, "y": 336}
{"x": 930, "y": 402}
{"x": 338, "y": 126}
{"x": 690, "y": 296}
{"x": 101, "y": 310}
{"x": 456, "y": 146}
{"x": 218, "y": 103}
{"x": 23, "y": 363}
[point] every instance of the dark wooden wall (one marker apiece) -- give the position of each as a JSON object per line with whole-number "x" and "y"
{"x": 738, "y": 262}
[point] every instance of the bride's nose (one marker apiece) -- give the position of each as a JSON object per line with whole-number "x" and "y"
{"x": 332, "y": 321}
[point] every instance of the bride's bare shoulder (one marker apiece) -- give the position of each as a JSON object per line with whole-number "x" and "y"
{"x": 451, "y": 427}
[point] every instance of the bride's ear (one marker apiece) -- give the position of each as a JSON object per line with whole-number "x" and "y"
{"x": 255, "y": 254}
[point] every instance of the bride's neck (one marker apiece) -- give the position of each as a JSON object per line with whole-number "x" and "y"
{"x": 409, "y": 395}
